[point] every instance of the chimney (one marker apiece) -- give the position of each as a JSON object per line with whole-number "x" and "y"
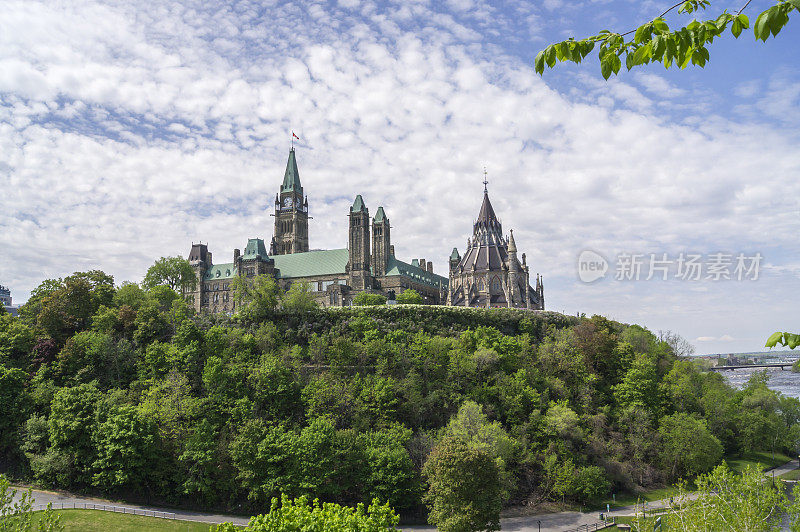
{"x": 236, "y": 254}
{"x": 391, "y": 250}
{"x": 422, "y": 264}
{"x": 430, "y": 267}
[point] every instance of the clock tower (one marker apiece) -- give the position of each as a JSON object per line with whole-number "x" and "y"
{"x": 291, "y": 213}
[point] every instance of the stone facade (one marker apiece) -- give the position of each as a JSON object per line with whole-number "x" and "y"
{"x": 335, "y": 275}
{"x": 490, "y": 274}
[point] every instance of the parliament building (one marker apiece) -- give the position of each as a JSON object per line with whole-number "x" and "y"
{"x": 489, "y": 274}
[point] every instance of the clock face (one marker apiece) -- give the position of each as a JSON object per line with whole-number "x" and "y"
{"x": 287, "y": 202}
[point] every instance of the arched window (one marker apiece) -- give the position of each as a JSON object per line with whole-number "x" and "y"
{"x": 496, "y": 284}
{"x": 480, "y": 284}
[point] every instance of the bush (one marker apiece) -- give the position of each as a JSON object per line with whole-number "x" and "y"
{"x": 409, "y": 296}
{"x": 365, "y": 299}
{"x": 298, "y": 515}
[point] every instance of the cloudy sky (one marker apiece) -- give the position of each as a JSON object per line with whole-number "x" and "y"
{"x": 130, "y": 129}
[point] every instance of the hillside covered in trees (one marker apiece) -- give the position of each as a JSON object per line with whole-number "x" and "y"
{"x": 126, "y": 392}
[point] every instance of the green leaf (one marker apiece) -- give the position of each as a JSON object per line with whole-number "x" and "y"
{"x": 744, "y": 21}
{"x": 774, "y": 339}
{"x": 605, "y": 68}
{"x": 736, "y": 29}
{"x": 795, "y": 3}
{"x": 761, "y": 28}
{"x": 661, "y": 26}
{"x": 792, "y": 340}
{"x": 539, "y": 63}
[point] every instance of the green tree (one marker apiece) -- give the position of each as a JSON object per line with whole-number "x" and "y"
{"x": 729, "y": 502}
{"x": 409, "y": 296}
{"x": 365, "y": 299}
{"x": 656, "y": 42}
{"x": 640, "y": 388}
{"x": 299, "y": 298}
{"x": 687, "y": 446}
{"x": 70, "y": 424}
{"x": 464, "y": 492}
{"x": 125, "y": 444}
{"x": 174, "y": 272}
{"x": 298, "y": 514}
{"x": 13, "y": 405}
{"x": 255, "y": 297}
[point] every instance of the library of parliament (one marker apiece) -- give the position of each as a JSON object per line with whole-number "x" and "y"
{"x": 489, "y": 274}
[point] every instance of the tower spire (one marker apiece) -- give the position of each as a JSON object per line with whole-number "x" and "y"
{"x": 485, "y": 181}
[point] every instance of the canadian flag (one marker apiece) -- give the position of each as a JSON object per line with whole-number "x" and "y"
{"x": 295, "y": 136}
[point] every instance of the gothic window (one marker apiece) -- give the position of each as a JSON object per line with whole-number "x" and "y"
{"x": 495, "y": 285}
{"x": 480, "y": 284}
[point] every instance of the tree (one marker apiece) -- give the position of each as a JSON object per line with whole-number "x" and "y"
{"x": 409, "y": 296}
{"x": 255, "y": 297}
{"x": 299, "y": 298}
{"x": 687, "y": 446}
{"x": 298, "y": 514}
{"x": 16, "y": 513}
{"x": 12, "y": 405}
{"x": 656, "y": 42}
{"x": 125, "y": 444}
{"x": 175, "y": 272}
{"x": 365, "y": 299}
{"x": 729, "y": 502}
{"x": 464, "y": 492}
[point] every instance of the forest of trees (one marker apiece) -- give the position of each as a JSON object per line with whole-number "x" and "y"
{"x": 126, "y": 392}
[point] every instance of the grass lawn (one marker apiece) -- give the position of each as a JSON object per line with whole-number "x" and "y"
{"x": 629, "y": 499}
{"x": 794, "y": 474}
{"x": 99, "y": 521}
{"x": 763, "y": 459}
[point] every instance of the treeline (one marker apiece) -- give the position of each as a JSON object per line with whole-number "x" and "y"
{"x": 127, "y": 392}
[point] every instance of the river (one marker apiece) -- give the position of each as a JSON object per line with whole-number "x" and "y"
{"x": 783, "y": 381}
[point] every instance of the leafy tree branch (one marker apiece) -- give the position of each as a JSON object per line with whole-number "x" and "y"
{"x": 655, "y": 41}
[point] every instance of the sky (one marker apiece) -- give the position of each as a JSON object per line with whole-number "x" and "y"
{"x": 129, "y": 130}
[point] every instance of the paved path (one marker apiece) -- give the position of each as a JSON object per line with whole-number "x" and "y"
{"x": 66, "y": 499}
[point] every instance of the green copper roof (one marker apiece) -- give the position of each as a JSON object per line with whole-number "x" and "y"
{"x": 220, "y": 271}
{"x": 291, "y": 179}
{"x": 398, "y": 267}
{"x": 255, "y": 249}
{"x": 380, "y": 215}
{"x": 358, "y": 205}
{"x": 311, "y": 263}
{"x": 455, "y": 255}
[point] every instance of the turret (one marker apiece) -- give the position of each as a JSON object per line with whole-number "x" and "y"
{"x": 381, "y": 243}
{"x": 358, "y": 246}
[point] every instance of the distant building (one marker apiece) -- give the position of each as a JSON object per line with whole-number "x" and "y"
{"x": 5, "y": 300}
{"x": 489, "y": 274}
{"x": 5, "y": 296}
{"x": 367, "y": 264}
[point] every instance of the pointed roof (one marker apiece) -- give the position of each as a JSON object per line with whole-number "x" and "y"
{"x": 255, "y": 249}
{"x": 455, "y": 255}
{"x": 380, "y": 215}
{"x": 487, "y": 212}
{"x": 358, "y": 205}
{"x": 512, "y": 246}
{"x": 291, "y": 179}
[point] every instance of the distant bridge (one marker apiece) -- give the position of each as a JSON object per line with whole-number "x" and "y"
{"x": 746, "y": 366}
